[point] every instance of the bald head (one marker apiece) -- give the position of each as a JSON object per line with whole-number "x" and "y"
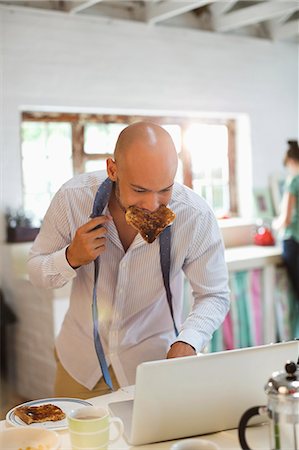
{"x": 146, "y": 137}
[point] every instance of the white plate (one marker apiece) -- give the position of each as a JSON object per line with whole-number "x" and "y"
{"x": 35, "y": 438}
{"x": 66, "y": 404}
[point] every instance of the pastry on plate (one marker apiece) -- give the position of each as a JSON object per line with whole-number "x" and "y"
{"x": 38, "y": 414}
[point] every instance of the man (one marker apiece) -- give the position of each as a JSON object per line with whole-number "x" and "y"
{"x": 135, "y": 323}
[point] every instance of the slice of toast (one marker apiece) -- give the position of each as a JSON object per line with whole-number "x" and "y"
{"x": 37, "y": 414}
{"x": 149, "y": 224}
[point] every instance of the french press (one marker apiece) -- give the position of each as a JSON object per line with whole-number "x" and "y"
{"x": 282, "y": 390}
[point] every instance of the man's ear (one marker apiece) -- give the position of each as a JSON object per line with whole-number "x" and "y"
{"x": 111, "y": 169}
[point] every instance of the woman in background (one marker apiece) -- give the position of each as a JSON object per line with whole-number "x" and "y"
{"x": 289, "y": 216}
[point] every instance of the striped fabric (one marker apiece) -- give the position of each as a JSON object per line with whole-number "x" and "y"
{"x": 286, "y": 307}
{"x": 134, "y": 320}
{"x": 257, "y": 305}
{"x": 244, "y": 324}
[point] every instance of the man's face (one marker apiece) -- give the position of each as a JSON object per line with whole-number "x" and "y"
{"x": 141, "y": 195}
{"x": 143, "y": 179}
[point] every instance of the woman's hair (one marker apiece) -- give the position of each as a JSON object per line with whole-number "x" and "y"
{"x": 292, "y": 152}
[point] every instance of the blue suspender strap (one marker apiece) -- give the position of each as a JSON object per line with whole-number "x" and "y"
{"x": 101, "y": 200}
{"x": 102, "y": 197}
{"x": 96, "y": 337}
{"x": 165, "y": 241}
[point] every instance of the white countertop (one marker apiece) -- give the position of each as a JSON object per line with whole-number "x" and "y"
{"x": 252, "y": 256}
{"x": 257, "y": 436}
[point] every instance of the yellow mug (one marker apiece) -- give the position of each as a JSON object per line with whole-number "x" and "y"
{"x": 89, "y": 428}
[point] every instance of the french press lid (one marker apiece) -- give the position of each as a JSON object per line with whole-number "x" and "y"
{"x": 285, "y": 382}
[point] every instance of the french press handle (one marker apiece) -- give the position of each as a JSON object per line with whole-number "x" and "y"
{"x": 254, "y": 411}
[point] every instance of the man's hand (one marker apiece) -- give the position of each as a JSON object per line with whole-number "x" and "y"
{"x": 89, "y": 242}
{"x": 179, "y": 349}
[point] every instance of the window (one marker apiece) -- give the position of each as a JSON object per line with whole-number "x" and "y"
{"x": 207, "y": 146}
{"x": 46, "y": 162}
{"x": 100, "y": 140}
{"x": 62, "y": 145}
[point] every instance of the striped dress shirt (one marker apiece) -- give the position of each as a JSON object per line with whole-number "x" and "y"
{"x": 134, "y": 318}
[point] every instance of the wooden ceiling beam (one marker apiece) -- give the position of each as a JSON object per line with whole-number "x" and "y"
{"x": 157, "y": 12}
{"x": 80, "y": 6}
{"x": 287, "y": 30}
{"x": 284, "y": 17}
{"x": 219, "y": 8}
{"x": 250, "y": 15}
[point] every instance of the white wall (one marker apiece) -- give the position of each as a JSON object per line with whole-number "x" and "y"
{"x": 78, "y": 62}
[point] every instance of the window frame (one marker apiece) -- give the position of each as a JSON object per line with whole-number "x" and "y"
{"x": 79, "y": 156}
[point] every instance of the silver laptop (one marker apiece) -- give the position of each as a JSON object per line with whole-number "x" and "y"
{"x": 196, "y": 395}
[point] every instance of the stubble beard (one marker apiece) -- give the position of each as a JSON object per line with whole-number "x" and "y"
{"x": 117, "y": 196}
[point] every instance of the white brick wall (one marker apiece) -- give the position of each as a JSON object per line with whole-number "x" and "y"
{"x": 33, "y": 347}
{"x": 34, "y": 341}
{"x": 39, "y": 313}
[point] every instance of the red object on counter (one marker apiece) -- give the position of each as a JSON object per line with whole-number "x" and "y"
{"x": 264, "y": 236}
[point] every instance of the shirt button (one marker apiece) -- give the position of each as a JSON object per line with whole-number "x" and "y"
{"x": 121, "y": 290}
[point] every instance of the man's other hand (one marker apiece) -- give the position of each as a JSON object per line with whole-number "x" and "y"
{"x": 179, "y": 349}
